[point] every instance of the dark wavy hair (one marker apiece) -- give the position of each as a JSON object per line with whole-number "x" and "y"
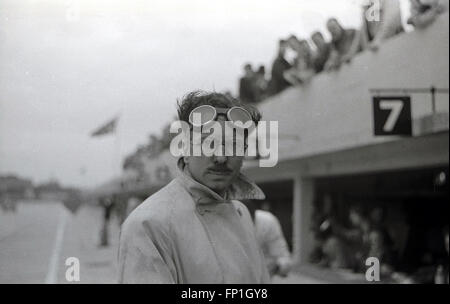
{"x": 198, "y": 98}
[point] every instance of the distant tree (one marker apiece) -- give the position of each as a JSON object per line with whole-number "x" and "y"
{"x": 155, "y": 146}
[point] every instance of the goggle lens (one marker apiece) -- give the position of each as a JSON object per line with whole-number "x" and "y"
{"x": 239, "y": 114}
{"x": 205, "y": 113}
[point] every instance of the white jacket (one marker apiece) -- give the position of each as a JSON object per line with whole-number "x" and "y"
{"x": 187, "y": 233}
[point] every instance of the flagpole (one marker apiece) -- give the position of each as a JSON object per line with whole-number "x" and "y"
{"x": 117, "y": 147}
{"x": 106, "y": 129}
{"x": 115, "y": 157}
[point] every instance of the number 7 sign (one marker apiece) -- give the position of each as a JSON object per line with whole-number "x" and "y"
{"x": 392, "y": 115}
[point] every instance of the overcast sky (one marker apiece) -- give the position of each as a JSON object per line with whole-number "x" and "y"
{"x": 66, "y": 67}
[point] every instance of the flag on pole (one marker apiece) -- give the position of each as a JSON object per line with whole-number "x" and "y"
{"x": 107, "y": 128}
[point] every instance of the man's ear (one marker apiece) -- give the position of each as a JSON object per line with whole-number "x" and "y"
{"x": 186, "y": 159}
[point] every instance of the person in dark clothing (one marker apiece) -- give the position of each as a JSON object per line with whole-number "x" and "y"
{"x": 280, "y": 65}
{"x": 247, "y": 85}
{"x": 323, "y": 51}
{"x": 108, "y": 205}
{"x": 261, "y": 83}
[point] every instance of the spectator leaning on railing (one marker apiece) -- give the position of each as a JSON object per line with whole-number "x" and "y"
{"x": 345, "y": 44}
{"x": 389, "y": 24}
{"x": 323, "y": 50}
{"x": 424, "y": 12}
{"x": 303, "y": 69}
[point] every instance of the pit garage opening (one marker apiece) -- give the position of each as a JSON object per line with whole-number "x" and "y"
{"x": 400, "y": 217}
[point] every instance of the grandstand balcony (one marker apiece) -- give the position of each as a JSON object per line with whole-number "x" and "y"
{"x": 335, "y": 112}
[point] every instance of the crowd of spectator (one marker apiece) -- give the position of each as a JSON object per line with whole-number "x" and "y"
{"x": 321, "y": 55}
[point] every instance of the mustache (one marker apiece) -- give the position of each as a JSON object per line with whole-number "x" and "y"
{"x": 224, "y": 169}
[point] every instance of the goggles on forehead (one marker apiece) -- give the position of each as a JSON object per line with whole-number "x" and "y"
{"x": 208, "y": 113}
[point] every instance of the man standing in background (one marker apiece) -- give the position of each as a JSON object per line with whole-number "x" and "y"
{"x": 271, "y": 239}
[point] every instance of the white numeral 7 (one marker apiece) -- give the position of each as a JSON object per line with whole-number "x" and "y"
{"x": 396, "y": 108}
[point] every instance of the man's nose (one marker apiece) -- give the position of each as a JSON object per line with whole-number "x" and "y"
{"x": 220, "y": 159}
